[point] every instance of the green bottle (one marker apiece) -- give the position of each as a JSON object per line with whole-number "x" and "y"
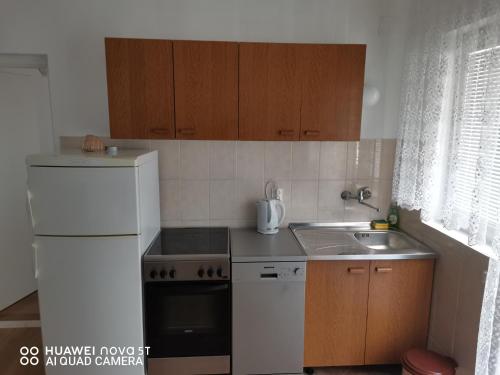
{"x": 393, "y": 216}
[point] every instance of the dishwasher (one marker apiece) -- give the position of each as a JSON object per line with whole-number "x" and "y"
{"x": 268, "y": 294}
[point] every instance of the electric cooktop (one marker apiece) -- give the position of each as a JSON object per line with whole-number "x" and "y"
{"x": 190, "y": 243}
{"x": 188, "y": 254}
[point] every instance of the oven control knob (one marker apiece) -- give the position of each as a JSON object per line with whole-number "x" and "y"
{"x": 163, "y": 273}
{"x": 153, "y": 274}
{"x": 201, "y": 272}
{"x": 219, "y": 272}
{"x": 210, "y": 272}
{"x": 172, "y": 273}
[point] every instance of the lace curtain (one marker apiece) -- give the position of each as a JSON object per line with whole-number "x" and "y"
{"x": 443, "y": 36}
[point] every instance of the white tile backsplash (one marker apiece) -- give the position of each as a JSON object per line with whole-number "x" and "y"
{"x": 248, "y": 192}
{"x": 362, "y": 160}
{"x": 194, "y": 160}
{"x": 278, "y": 160}
{"x": 330, "y": 207}
{"x": 223, "y": 199}
{"x": 286, "y": 185}
{"x": 185, "y": 223}
{"x": 381, "y": 198}
{"x": 126, "y": 143}
{"x": 371, "y": 159}
{"x": 250, "y": 160}
{"x": 387, "y": 155}
{"x": 168, "y": 158}
{"x": 305, "y": 160}
{"x": 357, "y": 212}
{"x": 170, "y": 199}
{"x": 195, "y": 200}
{"x": 218, "y": 182}
{"x": 333, "y": 160}
{"x": 222, "y": 160}
{"x": 304, "y": 205}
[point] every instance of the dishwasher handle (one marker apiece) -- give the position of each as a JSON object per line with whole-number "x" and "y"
{"x": 270, "y": 275}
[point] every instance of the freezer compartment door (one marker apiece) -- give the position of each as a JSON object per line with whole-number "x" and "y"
{"x": 84, "y": 201}
{"x": 268, "y": 318}
{"x": 90, "y": 294}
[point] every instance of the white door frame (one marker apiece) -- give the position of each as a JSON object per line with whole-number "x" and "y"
{"x": 24, "y": 65}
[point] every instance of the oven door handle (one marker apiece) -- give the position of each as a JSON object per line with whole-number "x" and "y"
{"x": 215, "y": 288}
{"x": 194, "y": 289}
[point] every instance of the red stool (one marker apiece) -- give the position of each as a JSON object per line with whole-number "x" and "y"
{"x": 425, "y": 362}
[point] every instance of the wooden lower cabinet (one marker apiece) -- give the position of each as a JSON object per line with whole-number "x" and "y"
{"x": 365, "y": 312}
{"x": 398, "y": 308}
{"x": 335, "y": 316}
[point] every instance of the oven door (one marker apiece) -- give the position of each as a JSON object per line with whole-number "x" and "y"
{"x": 187, "y": 319}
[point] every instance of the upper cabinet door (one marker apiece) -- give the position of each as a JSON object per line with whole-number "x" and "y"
{"x": 206, "y": 90}
{"x": 269, "y": 91}
{"x": 332, "y": 92}
{"x": 140, "y": 88}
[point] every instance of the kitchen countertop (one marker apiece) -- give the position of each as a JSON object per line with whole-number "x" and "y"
{"x": 337, "y": 241}
{"x": 247, "y": 246}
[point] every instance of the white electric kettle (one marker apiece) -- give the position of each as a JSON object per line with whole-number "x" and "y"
{"x": 268, "y": 218}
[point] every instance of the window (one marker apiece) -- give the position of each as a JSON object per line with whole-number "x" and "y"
{"x": 480, "y": 118}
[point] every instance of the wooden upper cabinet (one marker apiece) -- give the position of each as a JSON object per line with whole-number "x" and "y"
{"x": 398, "y": 308}
{"x": 269, "y": 91}
{"x": 332, "y": 91}
{"x": 229, "y": 90}
{"x": 140, "y": 88}
{"x": 335, "y": 312}
{"x": 206, "y": 90}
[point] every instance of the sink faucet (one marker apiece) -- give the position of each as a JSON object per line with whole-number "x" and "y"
{"x": 363, "y": 194}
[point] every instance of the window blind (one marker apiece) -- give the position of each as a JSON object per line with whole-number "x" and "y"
{"x": 480, "y": 126}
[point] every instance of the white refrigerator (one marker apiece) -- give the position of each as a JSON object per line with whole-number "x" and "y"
{"x": 93, "y": 217}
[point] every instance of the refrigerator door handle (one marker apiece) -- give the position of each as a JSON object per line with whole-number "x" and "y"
{"x": 29, "y": 197}
{"x": 35, "y": 259}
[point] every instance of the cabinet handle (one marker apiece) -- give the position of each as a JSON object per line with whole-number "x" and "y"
{"x": 159, "y": 131}
{"x": 383, "y": 269}
{"x": 311, "y": 132}
{"x": 186, "y": 131}
{"x": 286, "y": 132}
{"x": 356, "y": 270}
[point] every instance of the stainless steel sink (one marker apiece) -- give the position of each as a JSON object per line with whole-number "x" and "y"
{"x": 384, "y": 240}
{"x": 350, "y": 241}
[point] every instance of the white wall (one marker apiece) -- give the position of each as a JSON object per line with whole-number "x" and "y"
{"x": 24, "y": 128}
{"x": 72, "y": 33}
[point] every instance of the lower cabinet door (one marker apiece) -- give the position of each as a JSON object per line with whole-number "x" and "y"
{"x": 398, "y": 308}
{"x": 335, "y": 315}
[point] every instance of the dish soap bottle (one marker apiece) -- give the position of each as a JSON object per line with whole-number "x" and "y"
{"x": 393, "y": 216}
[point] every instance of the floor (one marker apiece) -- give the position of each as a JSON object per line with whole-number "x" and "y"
{"x": 25, "y": 309}
{"x": 24, "y": 316}
{"x": 19, "y": 326}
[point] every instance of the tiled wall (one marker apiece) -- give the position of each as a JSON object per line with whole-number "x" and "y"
{"x": 218, "y": 182}
{"x": 457, "y": 293}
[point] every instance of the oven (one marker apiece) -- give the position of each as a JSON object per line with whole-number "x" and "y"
{"x": 188, "y": 319}
{"x": 187, "y": 302}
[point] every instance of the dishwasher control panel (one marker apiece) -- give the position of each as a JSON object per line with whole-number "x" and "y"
{"x": 279, "y": 271}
